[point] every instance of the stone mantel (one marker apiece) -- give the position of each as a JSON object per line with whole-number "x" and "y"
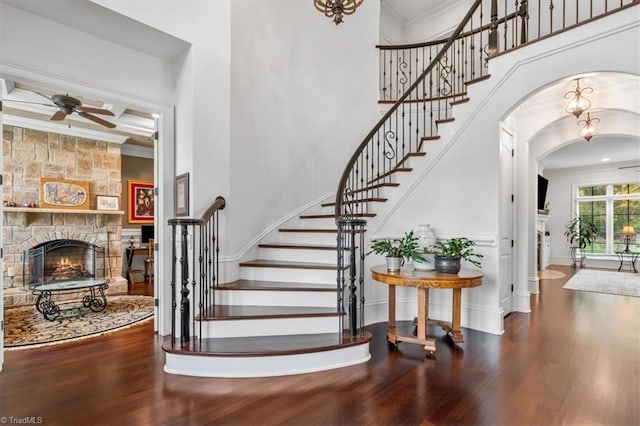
{"x": 24, "y": 213}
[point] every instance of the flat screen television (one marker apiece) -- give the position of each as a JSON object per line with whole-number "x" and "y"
{"x": 146, "y": 233}
{"x": 543, "y": 183}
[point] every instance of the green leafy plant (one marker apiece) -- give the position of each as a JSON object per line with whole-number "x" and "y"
{"x": 458, "y": 247}
{"x": 405, "y": 247}
{"x": 581, "y": 232}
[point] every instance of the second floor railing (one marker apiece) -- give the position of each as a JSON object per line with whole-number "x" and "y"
{"x": 195, "y": 256}
{"x": 510, "y": 23}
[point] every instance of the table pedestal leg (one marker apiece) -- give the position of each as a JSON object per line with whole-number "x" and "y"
{"x": 456, "y": 332}
{"x": 391, "y": 329}
{"x": 423, "y": 318}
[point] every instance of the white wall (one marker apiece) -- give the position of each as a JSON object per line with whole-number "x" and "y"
{"x": 561, "y": 195}
{"x": 439, "y": 24}
{"x": 304, "y": 95}
{"x": 202, "y": 88}
{"x": 32, "y": 44}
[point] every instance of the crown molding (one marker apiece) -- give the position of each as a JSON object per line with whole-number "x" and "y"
{"x": 137, "y": 151}
{"x": 64, "y": 129}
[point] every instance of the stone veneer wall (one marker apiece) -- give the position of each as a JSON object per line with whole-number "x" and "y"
{"x": 29, "y": 155}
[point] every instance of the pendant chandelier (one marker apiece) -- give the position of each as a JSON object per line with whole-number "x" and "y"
{"x": 588, "y": 130}
{"x": 578, "y": 103}
{"x": 336, "y": 9}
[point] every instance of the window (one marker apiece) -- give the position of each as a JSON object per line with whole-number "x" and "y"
{"x": 610, "y": 208}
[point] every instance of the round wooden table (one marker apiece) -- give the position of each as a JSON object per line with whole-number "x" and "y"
{"x": 423, "y": 281}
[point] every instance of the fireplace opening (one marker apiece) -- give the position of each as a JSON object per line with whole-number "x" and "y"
{"x": 63, "y": 260}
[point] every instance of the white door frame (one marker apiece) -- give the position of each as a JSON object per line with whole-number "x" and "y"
{"x": 164, "y": 172}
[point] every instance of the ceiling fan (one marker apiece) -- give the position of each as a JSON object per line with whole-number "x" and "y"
{"x": 68, "y": 105}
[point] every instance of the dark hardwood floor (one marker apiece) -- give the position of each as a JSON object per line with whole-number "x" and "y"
{"x": 575, "y": 360}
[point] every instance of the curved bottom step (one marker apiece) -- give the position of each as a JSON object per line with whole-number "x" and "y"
{"x": 268, "y": 357}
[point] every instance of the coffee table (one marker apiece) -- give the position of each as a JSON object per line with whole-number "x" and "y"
{"x": 95, "y": 299}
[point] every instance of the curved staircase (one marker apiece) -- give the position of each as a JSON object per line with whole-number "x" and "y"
{"x": 286, "y": 314}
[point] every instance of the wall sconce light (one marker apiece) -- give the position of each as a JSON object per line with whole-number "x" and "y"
{"x": 588, "y": 130}
{"x": 627, "y": 231}
{"x": 578, "y": 103}
{"x": 336, "y": 9}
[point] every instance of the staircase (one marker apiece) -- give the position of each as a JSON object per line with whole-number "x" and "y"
{"x": 286, "y": 314}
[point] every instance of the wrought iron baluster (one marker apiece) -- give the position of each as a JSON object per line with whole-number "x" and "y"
{"x": 173, "y": 284}
{"x": 184, "y": 283}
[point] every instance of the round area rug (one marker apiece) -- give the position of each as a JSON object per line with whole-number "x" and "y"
{"x": 550, "y": 274}
{"x": 25, "y": 327}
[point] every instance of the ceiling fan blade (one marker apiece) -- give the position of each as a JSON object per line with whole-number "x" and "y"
{"x": 43, "y": 95}
{"x": 95, "y": 110}
{"x": 58, "y": 116}
{"x": 97, "y": 120}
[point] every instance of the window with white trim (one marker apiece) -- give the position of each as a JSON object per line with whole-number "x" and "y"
{"x": 611, "y": 208}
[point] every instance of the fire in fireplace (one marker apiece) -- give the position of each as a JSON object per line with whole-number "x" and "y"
{"x": 59, "y": 260}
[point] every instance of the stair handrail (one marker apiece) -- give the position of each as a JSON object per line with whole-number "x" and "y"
{"x": 340, "y": 195}
{"x": 203, "y": 248}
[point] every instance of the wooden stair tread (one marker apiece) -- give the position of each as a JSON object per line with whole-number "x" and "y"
{"x": 376, "y": 186}
{"x": 477, "y": 80}
{"x": 331, "y": 216}
{"x": 361, "y": 200}
{"x": 297, "y": 246}
{"x": 266, "y": 345}
{"x": 445, "y": 120}
{"x": 243, "y": 312}
{"x": 314, "y": 230}
{"x": 263, "y": 263}
{"x": 459, "y": 101}
{"x": 256, "y": 285}
{"x": 389, "y": 173}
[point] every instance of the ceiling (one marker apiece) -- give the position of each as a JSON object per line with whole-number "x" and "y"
{"x": 27, "y": 105}
{"x": 408, "y": 10}
{"x": 136, "y": 128}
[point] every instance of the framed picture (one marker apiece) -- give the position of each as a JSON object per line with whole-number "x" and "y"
{"x": 182, "y": 195}
{"x": 141, "y": 201}
{"x": 64, "y": 193}
{"x": 107, "y": 202}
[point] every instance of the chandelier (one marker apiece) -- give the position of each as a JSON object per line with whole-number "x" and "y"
{"x": 336, "y": 9}
{"x": 578, "y": 103}
{"x": 588, "y": 130}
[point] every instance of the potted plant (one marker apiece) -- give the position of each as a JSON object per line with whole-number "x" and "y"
{"x": 397, "y": 250}
{"x": 448, "y": 255}
{"x": 580, "y": 234}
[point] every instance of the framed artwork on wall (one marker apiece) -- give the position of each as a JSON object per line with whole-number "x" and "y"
{"x": 107, "y": 202}
{"x": 64, "y": 193}
{"x": 182, "y": 195}
{"x": 141, "y": 200}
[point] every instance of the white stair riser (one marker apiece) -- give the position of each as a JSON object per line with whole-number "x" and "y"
{"x": 319, "y": 276}
{"x": 266, "y": 366}
{"x": 299, "y": 255}
{"x": 325, "y": 299}
{"x": 319, "y": 223}
{"x": 308, "y": 237}
{"x": 269, "y": 327}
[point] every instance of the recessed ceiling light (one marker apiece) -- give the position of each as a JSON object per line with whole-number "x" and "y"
{"x": 604, "y": 160}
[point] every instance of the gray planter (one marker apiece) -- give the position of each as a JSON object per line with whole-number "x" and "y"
{"x": 447, "y": 265}
{"x": 394, "y": 263}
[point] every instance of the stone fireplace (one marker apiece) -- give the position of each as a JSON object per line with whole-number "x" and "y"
{"x": 29, "y": 155}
